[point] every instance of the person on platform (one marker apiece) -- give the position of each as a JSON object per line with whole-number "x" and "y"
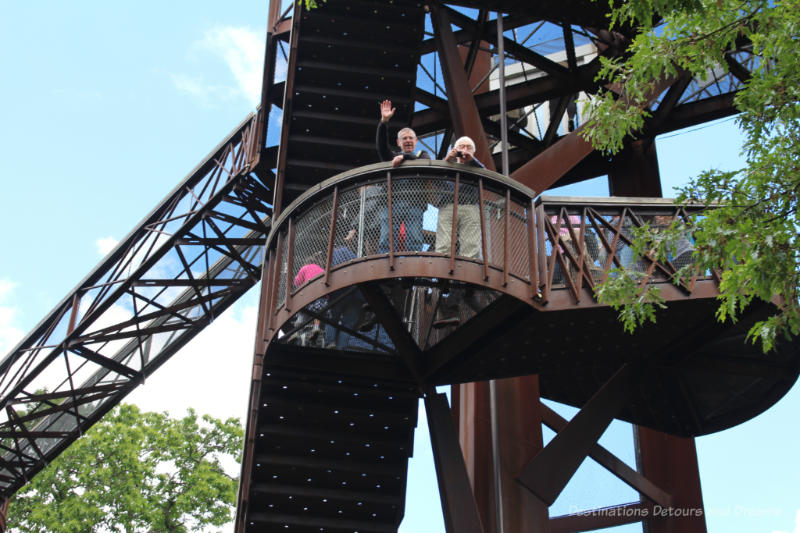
{"x": 408, "y": 203}
{"x": 468, "y": 223}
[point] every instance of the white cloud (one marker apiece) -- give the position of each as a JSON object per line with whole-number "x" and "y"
{"x": 242, "y": 51}
{"x": 10, "y": 334}
{"x": 105, "y": 245}
{"x": 206, "y": 94}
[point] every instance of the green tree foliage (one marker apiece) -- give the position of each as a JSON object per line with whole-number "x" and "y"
{"x": 753, "y": 235}
{"x": 311, "y": 4}
{"x": 135, "y": 472}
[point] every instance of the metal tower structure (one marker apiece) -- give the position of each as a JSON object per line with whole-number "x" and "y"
{"x": 345, "y": 353}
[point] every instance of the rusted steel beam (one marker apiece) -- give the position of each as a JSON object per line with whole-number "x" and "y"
{"x": 671, "y": 99}
{"x": 458, "y": 502}
{"x": 468, "y": 35}
{"x": 609, "y": 461}
{"x": 288, "y": 95}
{"x": 737, "y": 69}
{"x": 512, "y": 48}
{"x": 463, "y": 111}
{"x": 548, "y": 472}
{"x": 517, "y": 95}
{"x": 671, "y": 462}
{"x": 387, "y": 316}
{"x": 3, "y": 515}
{"x": 445, "y": 351}
{"x": 105, "y": 362}
{"x": 634, "y": 170}
{"x": 520, "y": 424}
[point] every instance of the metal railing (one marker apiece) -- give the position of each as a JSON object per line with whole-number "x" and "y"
{"x": 466, "y": 215}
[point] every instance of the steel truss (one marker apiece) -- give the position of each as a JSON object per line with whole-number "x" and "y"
{"x": 188, "y": 260}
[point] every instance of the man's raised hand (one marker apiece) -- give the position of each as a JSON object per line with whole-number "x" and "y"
{"x": 387, "y": 111}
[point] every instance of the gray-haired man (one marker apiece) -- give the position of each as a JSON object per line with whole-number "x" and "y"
{"x": 408, "y": 204}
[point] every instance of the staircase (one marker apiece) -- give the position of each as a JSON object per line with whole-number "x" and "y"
{"x": 331, "y": 453}
{"x": 350, "y": 56}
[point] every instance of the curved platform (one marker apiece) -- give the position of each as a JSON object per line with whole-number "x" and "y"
{"x": 371, "y": 302}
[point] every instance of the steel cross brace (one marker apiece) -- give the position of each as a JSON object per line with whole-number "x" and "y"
{"x": 550, "y": 470}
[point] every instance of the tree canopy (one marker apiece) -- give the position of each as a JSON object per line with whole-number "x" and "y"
{"x": 136, "y": 472}
{"x": 752, "y": 236}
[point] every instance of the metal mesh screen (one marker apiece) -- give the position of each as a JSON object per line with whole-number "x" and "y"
{"x": 519, "y": 253}
{"x": 312, "y": 230}
{"x": 372, "y": 200}
{"x": 494, "y": 220}
{"x": 347, "y": 241}
{"x": 409, "y": 200}
{"x": 282, "y": 272}
{"x": 465, "y": 219}
{"x": 596, "y": 252}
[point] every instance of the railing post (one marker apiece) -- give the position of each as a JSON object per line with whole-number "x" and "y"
{"x": 483, "y": 231}
{"x": 276, "y": 279}
{"x": 506, "y": 234}
{"x": 391, "y": 220}
{"x": 331, "y": 235}
{"x": 533, "y": 258}
{"x": 544, "y": 272}
{"x": 265, "y": 305}
{"x": 454, "y": 225}
{"x": 289, "y": 265}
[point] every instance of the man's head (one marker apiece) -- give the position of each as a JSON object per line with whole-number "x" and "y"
{"x": 465, "y": 145}
{"x": 406, "y": 140}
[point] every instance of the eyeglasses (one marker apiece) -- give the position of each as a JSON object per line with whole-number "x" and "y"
{"x": 463, "y": 146}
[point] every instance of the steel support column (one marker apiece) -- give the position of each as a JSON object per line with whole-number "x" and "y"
{"x": 520, "y": 432}
{"x": 520, "y": 439}
{"x": 634, "y": 170}
{"x": 474, "y": 434}
{"x": 671, "y": 463}
{"x": 458, "y": 504}
{"x": 668, "y": 462}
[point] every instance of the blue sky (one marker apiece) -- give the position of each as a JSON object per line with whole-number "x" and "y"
{"x": 106, "y": 106}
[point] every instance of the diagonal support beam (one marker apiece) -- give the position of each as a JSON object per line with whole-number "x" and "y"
{"x": 464, "y": 339}
{"x": 550, "y": 470}
{"x": 611, "y": 463}
{"x": 387, "y": 316}
{"x": 463, "y": 110}
{"x": 458, "y": 502}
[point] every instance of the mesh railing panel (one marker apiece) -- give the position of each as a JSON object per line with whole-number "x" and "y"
{"x": 311, "y": 234}
{"x": 519, "y": 251}
{"x": 348, "y": 222}
{"x": 494, "y": 219}
{"x": 466, "y": 219}
{"x": 284, "y": 267}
